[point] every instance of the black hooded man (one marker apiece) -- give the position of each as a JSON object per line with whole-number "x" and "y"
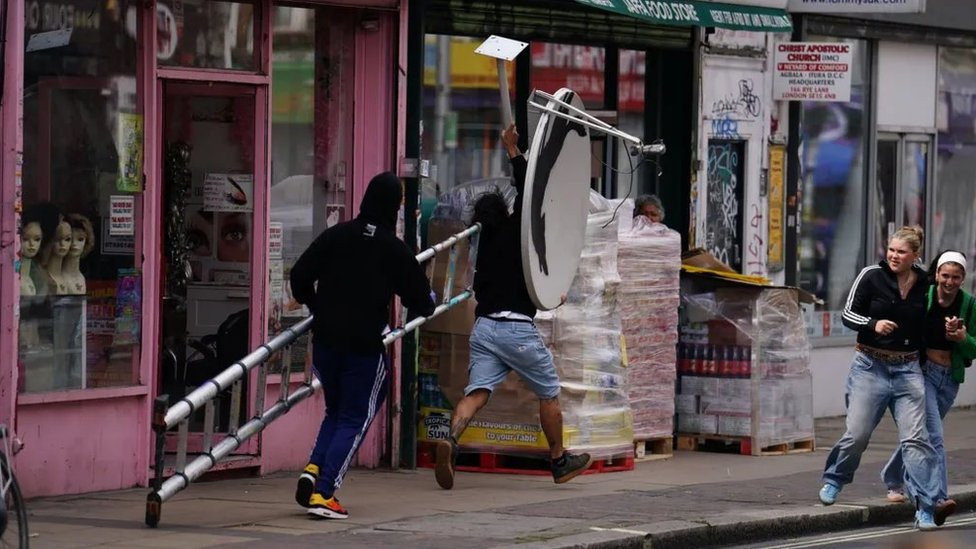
{"x": 347, "y": 277}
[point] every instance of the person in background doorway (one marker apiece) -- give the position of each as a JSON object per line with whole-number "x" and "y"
{"x": 649, "y": 205}
{"x": 886, "y": 307}
{"x": 950, "y": 346}
{"x": 505, "y": 337}
{"x": 347, "y": 278}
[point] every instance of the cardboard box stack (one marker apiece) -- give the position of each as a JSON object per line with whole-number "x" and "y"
{"x": 649, "y": 262}
{"x": 744, "y": 361}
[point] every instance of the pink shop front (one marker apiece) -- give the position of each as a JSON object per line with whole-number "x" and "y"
{"x": 143, "y": 138}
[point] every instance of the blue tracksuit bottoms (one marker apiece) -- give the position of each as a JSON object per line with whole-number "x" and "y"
{"x": 355, "y": 386}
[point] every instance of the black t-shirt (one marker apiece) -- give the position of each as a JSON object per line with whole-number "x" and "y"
{"x": 935, "y": 323}
{"x": 499, "y": 284}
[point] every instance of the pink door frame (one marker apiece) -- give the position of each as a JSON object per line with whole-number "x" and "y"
{"x": 11, "y": 147}
{"x": 259, "y": 219}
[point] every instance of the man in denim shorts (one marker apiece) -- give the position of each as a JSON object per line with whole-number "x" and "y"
{"x": 504, "y": 336}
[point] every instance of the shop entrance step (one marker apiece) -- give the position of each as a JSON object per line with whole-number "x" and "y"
{"x": 653, "y": 448}
{"x": 741, "y": 445}
{"x": 525, "y": 463}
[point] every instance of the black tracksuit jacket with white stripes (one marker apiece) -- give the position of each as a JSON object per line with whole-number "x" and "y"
{"x": 875, "y": 296}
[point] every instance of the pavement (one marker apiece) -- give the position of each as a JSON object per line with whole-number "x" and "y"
{"x": 693, "y": 499}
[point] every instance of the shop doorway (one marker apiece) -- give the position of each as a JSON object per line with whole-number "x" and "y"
{"x": 212, "y": 227}
{"x": 901, "y": 188}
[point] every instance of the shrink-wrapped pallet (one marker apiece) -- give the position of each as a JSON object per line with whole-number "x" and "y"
{"x": 649, "y": 263}
{"x": 745, "y": 365}
{"x": 585, "y": 338}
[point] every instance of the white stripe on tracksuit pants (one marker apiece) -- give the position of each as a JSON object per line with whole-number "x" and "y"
{"x": 355, "y": 387}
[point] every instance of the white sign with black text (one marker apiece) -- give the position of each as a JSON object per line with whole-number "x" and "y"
{"x": 122, "y": 211}
{"x": 812, "y": 71}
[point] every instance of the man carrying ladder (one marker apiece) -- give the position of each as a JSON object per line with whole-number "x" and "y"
{"x": 347, "y": 278}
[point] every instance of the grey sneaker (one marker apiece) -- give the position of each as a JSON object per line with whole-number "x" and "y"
{"x": 572, "y": 466}
{"x": 445, "y": 454}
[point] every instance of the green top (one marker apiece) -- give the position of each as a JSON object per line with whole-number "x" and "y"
{"x": 963, "y": 352}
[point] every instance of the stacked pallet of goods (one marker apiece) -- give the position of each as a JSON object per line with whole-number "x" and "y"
{"x": 649, "y": 263}
{"x": 744, "y": 370}
{"x": 584, "y": 335}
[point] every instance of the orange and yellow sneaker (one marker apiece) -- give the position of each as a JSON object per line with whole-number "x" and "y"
{"x": 306, "y": 484}
{"x": 326, "y": 508}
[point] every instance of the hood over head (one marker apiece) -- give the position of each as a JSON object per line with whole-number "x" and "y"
{"x": 382, "y": 200}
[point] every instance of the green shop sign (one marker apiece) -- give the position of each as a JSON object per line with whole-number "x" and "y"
{"x": 700, "y": 14}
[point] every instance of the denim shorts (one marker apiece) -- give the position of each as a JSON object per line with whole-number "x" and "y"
{"x": 498, "y": 347}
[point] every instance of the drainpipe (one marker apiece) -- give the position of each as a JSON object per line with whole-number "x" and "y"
{"x": 411, "y": 203}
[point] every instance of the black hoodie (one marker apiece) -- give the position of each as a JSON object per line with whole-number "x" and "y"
{"x": 358, "y": 266}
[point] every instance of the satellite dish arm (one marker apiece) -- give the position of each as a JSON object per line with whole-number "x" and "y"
{"x": 569, "y": 112}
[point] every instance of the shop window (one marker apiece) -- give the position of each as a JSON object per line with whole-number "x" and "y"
{"x": 901, "y": 185}
{"x": 209, "y": 34}
{"x": 80, "y": 287}
{"x": 630, "y": 118}
{"x": 310, "y": 120}
{"x": 461, "y": 115}
{"x": 579, "y": 68}
{"x": 833, "y": 179}
{"x": 954, "y": 199}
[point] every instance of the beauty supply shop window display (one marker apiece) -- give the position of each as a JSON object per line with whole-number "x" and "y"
{"x": 53, "y": 293}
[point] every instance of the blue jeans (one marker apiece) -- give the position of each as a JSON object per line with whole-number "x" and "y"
{"x": 498, "y": 347}
{"x": 940, "y": 393}
{"x": 873, "y": 387}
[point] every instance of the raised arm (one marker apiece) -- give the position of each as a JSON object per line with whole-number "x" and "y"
{"x": 510, "y": 139}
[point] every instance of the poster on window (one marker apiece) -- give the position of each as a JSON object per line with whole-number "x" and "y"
{"x": 813, "y": 71}
{"x": 129, "y": 142}
{"x": 276, "y": 231}
{"x": 122, "y": 221}
{"x": 228, "y": 192}
{"x": 128, "y": 307}
{"x": 220, "y": 246}
{"x": 723, "y": 201}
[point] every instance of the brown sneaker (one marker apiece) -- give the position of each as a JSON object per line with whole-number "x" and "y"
{"x": 573, "y": 466}
{"x": 943, "y": 509}
{"x": 445, "y": 454}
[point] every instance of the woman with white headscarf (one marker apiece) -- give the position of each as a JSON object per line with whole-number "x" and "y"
{"x": 950, "y": 346}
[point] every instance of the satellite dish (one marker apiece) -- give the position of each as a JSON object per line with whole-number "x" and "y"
{"x": 555, "y": 201}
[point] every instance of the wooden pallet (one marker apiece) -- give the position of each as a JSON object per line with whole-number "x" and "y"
{"x": 532, "y": 463}
{"x": 741, "y": 445}
{"x": 653, "y": 448}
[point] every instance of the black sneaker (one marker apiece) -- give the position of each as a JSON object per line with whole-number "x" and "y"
{"x": 445, "y": 454}
{"x": 572, "y": 465}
